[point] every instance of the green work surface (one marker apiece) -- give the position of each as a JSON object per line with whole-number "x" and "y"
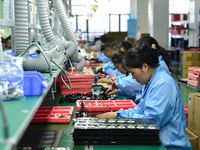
{"x": 128, "y": 147}
{"x": 19, "y": 114}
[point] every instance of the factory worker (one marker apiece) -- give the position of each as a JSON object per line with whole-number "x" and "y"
{"x": 101, "y": 56}
{"x": 124, "y": 84}
{"x": 164, "y": 59}
{"x": 108, "y": 68}
{"x": 123, "y": 46}
{"x": 160, "y": 97}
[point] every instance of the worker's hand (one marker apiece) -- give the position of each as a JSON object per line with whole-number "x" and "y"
{"x": 112, "y": 90}
{"x": 95, "y": 53}
{"x": 114, "y": 86}
{"x": 107, "y": 115}
{"x": 109, "y": 91}
{"x": 104, "y": 80}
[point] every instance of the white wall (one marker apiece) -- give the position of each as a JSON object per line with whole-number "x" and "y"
{"x": 159, "y": 28}
{"x": 194, "y": 18}
{"x": 152, "y": 17}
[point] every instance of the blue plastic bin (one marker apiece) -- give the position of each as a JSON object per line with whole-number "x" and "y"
{"x": 34, "y": 83}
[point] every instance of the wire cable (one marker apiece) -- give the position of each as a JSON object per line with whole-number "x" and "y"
{"x": 63, "y": 71}
{"x": 34, "y": 43}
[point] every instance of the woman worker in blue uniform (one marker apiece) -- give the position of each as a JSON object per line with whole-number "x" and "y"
{"x": 101, "y": 57}
{"x": 124, "y": 84}
{"x": 160, "y": 97}
{"x": 164, "y": 59}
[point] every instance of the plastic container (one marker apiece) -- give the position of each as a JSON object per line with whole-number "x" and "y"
{"x": 61, "y": 114}
{"x": 105, "y": 105}
{"x": 34, "y": 83}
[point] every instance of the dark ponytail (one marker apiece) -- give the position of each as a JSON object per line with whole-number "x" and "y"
{"x": 136, "y": 57}
{"x": 150, "y": 41}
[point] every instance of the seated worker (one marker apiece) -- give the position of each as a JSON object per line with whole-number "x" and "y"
{"x": 8, "y": 43}
{"x": 164, "y": 59}
{"x": 124, "y": 84}
{"x": 100, "y": 56}
{"x": 160, "y": 97}
{"x": 3, "y": 41}
{"x": 123, "y": 46}
{"x": 108, "y": 68}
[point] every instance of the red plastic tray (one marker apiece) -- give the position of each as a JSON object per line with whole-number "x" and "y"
{"x": 47, "y": 114}
{"x": 67, "y": 91}
{"x": 105, "y": 105}
{"x": 77, "y": 86}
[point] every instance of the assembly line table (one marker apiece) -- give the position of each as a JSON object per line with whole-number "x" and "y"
{"x": 19, "y": 114}
{"x": 21, "y": 111}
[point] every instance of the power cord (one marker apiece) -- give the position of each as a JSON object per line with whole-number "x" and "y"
{"x": 34, "y": 43}
{"x": 63, "y": 71}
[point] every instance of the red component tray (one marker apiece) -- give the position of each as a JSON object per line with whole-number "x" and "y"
{"x": 67, "y": 91}
{"x": 47, "y": 114}
{"x": 77, "y": 86}
{"x": 105, "y": 105}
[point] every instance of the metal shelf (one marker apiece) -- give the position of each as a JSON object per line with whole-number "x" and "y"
{"x": 190, "y": 86}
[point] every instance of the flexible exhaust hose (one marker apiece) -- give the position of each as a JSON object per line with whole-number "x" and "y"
{"x": 79, "y": 66}
{"x": 21, "y": 25}
{"x": 66, "y": 26}
{"x": 63, "y": 18}
{"x": 47, "y": 31}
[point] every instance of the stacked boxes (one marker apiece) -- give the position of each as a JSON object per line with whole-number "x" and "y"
{"x": 81, "y": 83}
{"x": 193, "y": 113}
{"x": 193, "y": 117}
{"x": 189, "y": 59}
{"x": 193, "y": 76}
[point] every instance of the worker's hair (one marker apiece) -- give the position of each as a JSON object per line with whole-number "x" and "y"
{"x": 3, "y": 40}
{"x": 118, "y": 57}
{"x": 148, "y": 41}
{"x": 124, "y": 46}
{"x": 8, "y": 38}
{"x": 108, "y": 46}
{"x": 136, "y": 57}
{"x": 104, "y": 38}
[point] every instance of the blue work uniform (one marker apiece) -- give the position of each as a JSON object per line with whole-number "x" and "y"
{"x": 101, "y": 57}
{"x": 109, "y": 68}
{"x": 163, "y": 66}
{"x": 128, "y": 86}
{"x": 161, "y": 100}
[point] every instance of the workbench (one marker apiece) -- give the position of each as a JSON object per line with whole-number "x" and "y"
{"x": 21, "y": 111}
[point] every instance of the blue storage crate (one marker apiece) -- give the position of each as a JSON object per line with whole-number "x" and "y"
{"x": 34, "y": 83}
{"x": 132, "y": 28}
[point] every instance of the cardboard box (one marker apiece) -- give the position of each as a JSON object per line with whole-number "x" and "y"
{"x": 185, "y": 64}
{"x": 117, "y": 37}
{"x": 194, "y": 139}
{"x": 193, "y": 56}
{"x": 184, "y": 72}
{"x": 194, "y": 113}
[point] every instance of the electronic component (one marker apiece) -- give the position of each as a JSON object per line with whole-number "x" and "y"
{"x": 110, "y": 131}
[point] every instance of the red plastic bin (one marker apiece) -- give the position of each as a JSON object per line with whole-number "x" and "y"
{"x": 105, "y": 105}
{"x": 47, "y": 114}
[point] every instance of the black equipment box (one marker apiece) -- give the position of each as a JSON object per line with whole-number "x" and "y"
{"x": 107, "y": 131}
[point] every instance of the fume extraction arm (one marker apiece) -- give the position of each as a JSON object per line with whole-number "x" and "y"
{"x": 22, "y": 37}
{"x": 70, "y": 46}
